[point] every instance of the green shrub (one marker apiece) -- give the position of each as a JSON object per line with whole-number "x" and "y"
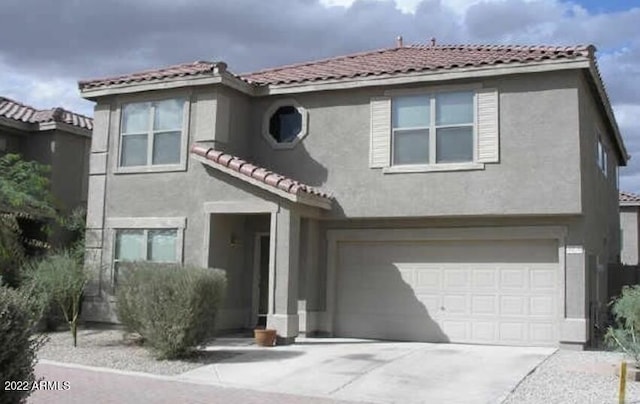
{"x": 19, "y": 344}
{"x": 61, "y": 279}
{"x": 172, "y": 307}
{"x": 625, "y": 336}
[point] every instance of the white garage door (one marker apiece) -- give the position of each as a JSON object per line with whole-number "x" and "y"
{"x": 488, "y": 291}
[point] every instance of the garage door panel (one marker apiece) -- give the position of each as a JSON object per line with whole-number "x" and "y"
{"x": 431, "y": 303}
{"x": 455, "y": 304}
{"x": 515, "y": 278}
{"x": 543, "y": 278}
{"x": 456, "y": 278}
{"x": 484, "y": 305}
{"x": 498, "y": 292}
{"x": 483, "y": 278}
{"x": 514, "y": 332}
{"x": 484, "y": 332}
{"x": 543, "y": 306}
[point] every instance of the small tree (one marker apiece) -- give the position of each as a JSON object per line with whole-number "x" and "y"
{"x": 62, "y": 278}
{"x": 19, "y": 344}
{"x": 625, "y": 336}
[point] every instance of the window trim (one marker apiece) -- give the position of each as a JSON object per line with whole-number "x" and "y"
{"x": 304, "y": 127}
{"x": 430, "y": 167}
{"x": 184, "y": 138}
{"x": 114, "y": 224}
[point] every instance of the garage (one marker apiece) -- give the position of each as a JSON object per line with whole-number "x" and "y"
{"x": 485, "y": 291}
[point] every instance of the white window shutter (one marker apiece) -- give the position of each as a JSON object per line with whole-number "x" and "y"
{"x": 380, "y": 144}
{"x": 488, "y": 126}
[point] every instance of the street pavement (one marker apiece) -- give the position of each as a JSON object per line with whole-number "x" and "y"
{"x": 88, "y": 385}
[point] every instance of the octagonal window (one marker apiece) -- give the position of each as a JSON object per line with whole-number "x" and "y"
{"x": 285, "y": 124}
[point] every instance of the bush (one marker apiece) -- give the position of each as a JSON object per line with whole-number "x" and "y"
{"x": 19, "y": 345}
{"x": 172, "y": 307}
{"x": 625, "y": 336}
{"x": 61, "y": 279}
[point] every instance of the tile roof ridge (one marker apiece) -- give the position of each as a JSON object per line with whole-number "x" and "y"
{"x": 21, "y": 104}
{"x": 518, "y": 47}
{"x": 211, "y": 65}
{"x": 319, "y": 61}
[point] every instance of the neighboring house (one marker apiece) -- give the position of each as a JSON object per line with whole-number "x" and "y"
{"x": 428, "y": 193}
{"x": 629, "y": 226}
{"x": 56, "y": 137}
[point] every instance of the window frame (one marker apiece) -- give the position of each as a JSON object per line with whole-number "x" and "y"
{"x": 602, "y": 154}
{"x": 149, "y": 166}
{"x": 304, "y": 127}
{"x": 432, "y": 165}
{"x": 146, "y": 224}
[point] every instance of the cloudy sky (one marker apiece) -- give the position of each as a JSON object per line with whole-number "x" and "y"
{"x": 49, "y": 45}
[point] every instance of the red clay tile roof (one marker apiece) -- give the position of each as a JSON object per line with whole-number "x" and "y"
{"x": 413, "y": 58}
{"x": 258, "y": 173}
{"x": 629, "y": 198}
{"x": 19, "y": 112}
{"x": 181, "y": 70}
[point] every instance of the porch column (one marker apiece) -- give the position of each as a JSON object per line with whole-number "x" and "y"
{"x": 283, "y": 279}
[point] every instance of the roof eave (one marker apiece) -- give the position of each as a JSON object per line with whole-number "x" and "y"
{"x": 298, "y": 197}
{"x": 423, "y": 76}
{"x": 629, "y": 203}
{"x": 225, "y": 78}
{"x": 65, "y": 127}
{"x": 602, "y": 94}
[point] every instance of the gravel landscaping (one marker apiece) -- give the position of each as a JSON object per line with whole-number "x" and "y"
{"x": 106, "y": 348}
{"x": 575, "y": 377}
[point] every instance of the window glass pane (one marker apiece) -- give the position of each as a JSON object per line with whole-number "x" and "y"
{"x": 135, "y": 118}
{"x": 285, "y": 124}
{"x": 166, "y": 148}
{"x": 168, "y": 115}
{"x": 411, "y": 112}
{"x": 134, "y": 150}
{"x": 411, "y": 147}
{"x": 454, "y": 145}
{"x": 454, "y": 108}
{"x": 130, "y": 245}
{"x": 162, "y": 246}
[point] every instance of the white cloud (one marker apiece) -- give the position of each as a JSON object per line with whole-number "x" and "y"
{"x": 42, "y": 92}
{"x": 410, "y": 6}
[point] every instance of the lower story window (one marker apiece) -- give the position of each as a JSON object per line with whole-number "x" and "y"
{"x": 155, "y": 245}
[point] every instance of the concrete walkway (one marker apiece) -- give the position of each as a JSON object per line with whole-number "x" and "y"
{"x": 378, "y": 372}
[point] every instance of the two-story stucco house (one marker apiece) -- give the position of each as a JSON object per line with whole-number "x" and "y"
{"x": 58, "y": 138}
{"x": 427, "y": 193}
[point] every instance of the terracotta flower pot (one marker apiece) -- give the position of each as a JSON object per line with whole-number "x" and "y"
{"x": 265, "y": 337}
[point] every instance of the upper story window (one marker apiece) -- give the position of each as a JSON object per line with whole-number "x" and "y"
{"x": 433, "y": 129}
{"x": 152, "y": 133}
{"x": 601, "y": 157}
{"x": 436, "y": 129}
{"x": 284, "y": 124}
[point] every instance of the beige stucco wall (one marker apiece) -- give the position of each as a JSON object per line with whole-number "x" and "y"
{"x": 538, "y": 171}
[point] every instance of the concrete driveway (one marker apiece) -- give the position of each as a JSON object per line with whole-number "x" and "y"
{"x": 372, "y": 371}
